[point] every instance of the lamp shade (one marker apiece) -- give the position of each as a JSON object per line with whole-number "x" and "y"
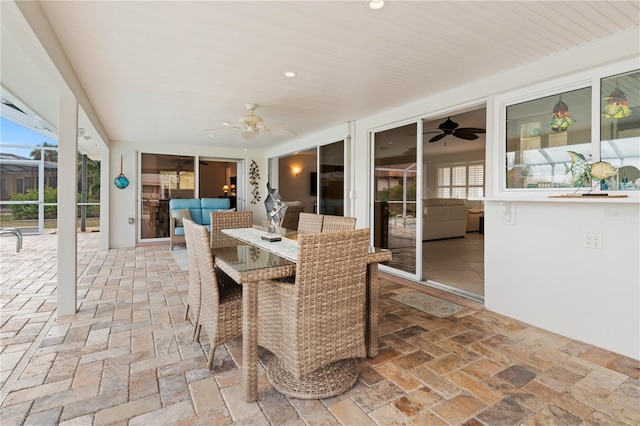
{"x": 617, "y": 105}
{"x": 561, "y": 119}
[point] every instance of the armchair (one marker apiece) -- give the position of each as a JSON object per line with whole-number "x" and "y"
{"x": 315, "y": 326}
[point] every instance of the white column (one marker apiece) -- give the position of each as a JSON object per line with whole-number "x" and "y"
{"x": 67, "y": 206}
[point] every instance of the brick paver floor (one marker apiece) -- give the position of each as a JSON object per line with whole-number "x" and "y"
{"x": 127, "y": 358}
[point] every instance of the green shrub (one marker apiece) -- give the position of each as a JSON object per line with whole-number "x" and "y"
{"x": 30, "y": 211}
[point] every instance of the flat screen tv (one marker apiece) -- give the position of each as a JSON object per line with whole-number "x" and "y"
{"x": 313, "y": 183}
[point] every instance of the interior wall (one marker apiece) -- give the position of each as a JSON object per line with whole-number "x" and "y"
{"x": 213, "y": 175}
{"x": 297, "y": 187}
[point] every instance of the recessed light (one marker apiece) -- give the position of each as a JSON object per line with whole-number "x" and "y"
{"x": 225, "y": 123}
{"x": 289, "y": 74}
{"x": 376, "y": 4}
{"x": 212, "y": 136}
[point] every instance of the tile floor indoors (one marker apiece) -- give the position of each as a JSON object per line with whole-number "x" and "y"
{"x": 127, "y": 358}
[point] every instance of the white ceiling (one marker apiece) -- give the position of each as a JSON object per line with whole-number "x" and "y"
{"x": 162, "y": 72}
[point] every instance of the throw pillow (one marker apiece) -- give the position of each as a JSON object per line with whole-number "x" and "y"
{"x": 179, "y": 215}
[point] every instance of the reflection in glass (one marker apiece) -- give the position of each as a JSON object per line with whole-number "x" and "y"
{"x": 620, "y": 130}
{"x": 163, "y": 177}
{"x": 331, "y": 195}
{"x": 536, "y": 155}
{"x": 394, "y": 215}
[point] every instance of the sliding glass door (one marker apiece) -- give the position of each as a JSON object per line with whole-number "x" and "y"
{"x": 395, "y": 204}
{"x": 163, "y": 177}
{"x": 315, "y": 177}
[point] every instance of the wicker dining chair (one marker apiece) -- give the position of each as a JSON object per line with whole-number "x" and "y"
{"x": 292, "y": 215}
{"x": 315, "y": 326}
{"x": 338, "y": 223}
{"x": 228, "y": 220}
{"x": 221, "y": 297}
{"x": 310, "y": 222}
{"x": 193, "y": 297}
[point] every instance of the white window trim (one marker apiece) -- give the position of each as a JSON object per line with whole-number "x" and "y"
{"x": 495, "y": 184}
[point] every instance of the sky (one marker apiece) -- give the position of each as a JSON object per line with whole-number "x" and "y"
{"x": 15, "y": 134}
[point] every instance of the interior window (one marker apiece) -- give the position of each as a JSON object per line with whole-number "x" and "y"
{"x": 620, "y": 131}
{"x": 542, "y": 134}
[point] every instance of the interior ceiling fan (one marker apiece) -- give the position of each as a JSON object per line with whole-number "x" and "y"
{"x": 250, "y": 125}
{"x": 450, "y": 127}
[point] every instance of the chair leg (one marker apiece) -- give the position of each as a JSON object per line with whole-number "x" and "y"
{"x": 186, "y": 314}
{"x": 196, "y": 332}
{"x": 211, "y": 351}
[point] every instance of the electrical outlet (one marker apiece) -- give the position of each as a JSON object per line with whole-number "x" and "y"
{"x": 596, "y": 241}
{"x": 588, "y": 240}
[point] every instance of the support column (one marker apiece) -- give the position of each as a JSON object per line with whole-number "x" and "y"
{"x": 67, "y": 207}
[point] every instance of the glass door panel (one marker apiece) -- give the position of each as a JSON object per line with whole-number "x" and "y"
{"x": 331, "y": 194}
{"x": 163, "y": 177}
{"x": 395, "y": 178}
{"x": 452, "y": 205}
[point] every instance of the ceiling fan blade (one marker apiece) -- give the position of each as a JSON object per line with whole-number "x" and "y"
{"x": 279, "y": 131}
{"x": 435, "y": 131}
{"x": 470, "y": 130}
{"x": 437, "y": 138}
{"x": 466, "y": 136}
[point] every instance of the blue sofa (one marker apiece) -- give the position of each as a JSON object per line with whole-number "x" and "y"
{"x": 199, "y": 209}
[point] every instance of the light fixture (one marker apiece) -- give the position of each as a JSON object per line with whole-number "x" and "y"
{"x": 296, "y": 170}
{"x": 233, "y": 190}
{"x": 225, "y": 189}
{"x": 289, "y": 74}
{"x": 250, "y": 133}
{"x": 617, "y": 105}
{"x": 561, "y": 119}
{"x": 376, "y": 4}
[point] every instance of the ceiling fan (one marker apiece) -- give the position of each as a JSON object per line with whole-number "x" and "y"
{"x": 450, "y": 127}
{"x": 250, "y": 125}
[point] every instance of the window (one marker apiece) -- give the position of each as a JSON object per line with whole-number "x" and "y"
{"x": 540, "y": 134}
{"x": 552, "y": 141}
{"x": 461, "y": 180}
{"x": 620, "y": 131}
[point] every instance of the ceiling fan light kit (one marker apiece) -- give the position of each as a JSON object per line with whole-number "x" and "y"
{"x": 251, "y": 125}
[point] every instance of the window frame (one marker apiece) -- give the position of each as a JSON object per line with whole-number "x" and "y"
{"x": 591, "y": 78}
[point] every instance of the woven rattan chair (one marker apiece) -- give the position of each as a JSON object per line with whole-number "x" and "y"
{"x": 338, "y": 223}
{"x": 315, "y": 326}
{"x": 291, "y": 215}
{"x": 310, "y": 222}
{"x": 193, "y": 297}
{"x": 227, "y": 220}
{"x": 221, "y": 301}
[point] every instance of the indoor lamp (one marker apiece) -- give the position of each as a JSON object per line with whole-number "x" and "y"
{"x": 617, "y": 105}
{"x": 225, "y": 189}
{"x": 561, "y": 119}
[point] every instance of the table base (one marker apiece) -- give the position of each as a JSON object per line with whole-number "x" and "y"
{"x": 328, "y": 381}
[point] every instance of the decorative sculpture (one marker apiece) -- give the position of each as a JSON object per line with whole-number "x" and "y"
{"x": 583, "y": 173}
{"x": 275, "y": 208}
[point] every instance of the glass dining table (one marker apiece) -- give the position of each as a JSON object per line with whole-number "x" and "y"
{"x": 248, "y": 259}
